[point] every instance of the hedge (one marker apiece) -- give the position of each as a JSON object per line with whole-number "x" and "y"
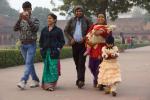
{"x": 122, "y": 47}
{"x": 13, "y": 57}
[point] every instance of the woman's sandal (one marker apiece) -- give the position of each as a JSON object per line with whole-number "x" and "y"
{"x": 50, "y": 89}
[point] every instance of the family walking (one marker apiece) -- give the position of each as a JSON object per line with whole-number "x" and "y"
{"x": 85, "y": 38}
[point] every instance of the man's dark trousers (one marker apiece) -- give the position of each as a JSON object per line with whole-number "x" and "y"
{"x": 79, "y": 59}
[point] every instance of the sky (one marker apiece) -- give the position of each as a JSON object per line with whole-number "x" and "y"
{"x": 17, "y": 4}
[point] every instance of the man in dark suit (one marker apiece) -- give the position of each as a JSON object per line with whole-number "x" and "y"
{"x": 75, "y": 31}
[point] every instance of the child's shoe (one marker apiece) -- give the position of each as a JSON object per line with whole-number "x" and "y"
{"x": 107, "y": 90}
{"x": 34, "y": 84}
{"x": 114, "y": 93}
{"x": 22, "y": 85}
{"x": 100, "y": 87}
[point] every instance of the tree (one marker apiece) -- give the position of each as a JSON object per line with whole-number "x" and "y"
{"x": 147, "y": 17}
{"x": 41, "y": 14}
{"x": 137, "y": 13}
{"x": 4, "y": 7}
{"x": 6, "y": 10}
{"x": 113, "y": 7}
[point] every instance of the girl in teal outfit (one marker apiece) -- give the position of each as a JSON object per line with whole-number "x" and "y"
{"x": 51, "y": 42}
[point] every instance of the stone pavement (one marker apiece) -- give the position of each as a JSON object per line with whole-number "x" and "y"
{"x": 135, "y": 67}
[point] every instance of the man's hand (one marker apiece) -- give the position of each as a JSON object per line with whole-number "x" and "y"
{"x": 82, "y": 40}
{"x": 72, "y": 41}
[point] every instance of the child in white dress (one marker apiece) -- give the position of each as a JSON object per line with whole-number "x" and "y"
{"x": 109, "y": 72}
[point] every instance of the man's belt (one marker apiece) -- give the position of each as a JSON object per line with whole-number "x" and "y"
{"x": 27, "y": 41}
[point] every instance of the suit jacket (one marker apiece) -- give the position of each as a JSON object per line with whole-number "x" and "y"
{"x": 71, "y": 25}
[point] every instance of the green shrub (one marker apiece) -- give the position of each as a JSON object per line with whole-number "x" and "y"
{"x": 10, "y": 58}
{"x": 66, "y": 53}
{"x": 13, "y": 57}
{"x": 122, "y": 47}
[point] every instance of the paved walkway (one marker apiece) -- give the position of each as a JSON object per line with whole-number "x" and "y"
{"x": 135, "y": 66}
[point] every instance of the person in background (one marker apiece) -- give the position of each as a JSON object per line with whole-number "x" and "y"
{"x": 28, "y": 27}
{"x": 75, "y": 31}
{"x": 51, "y": 42}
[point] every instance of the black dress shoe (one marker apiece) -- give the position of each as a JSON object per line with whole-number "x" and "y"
{"x": 80, "y": 84}
{"x": 95, "y": 84}
{"x": 101, "y": 87}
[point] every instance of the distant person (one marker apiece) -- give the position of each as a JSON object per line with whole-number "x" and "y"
{"x": 51, "y": 42}
{"x": 122, "y": 38}
{"x": 75, "y": 31}
{"x": 28, "y": 27}
{"x": 109, "y": 70}
{"x": 132, "y": 42}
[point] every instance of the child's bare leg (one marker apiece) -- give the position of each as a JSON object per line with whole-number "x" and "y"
{"x": 88, "y": 49}
{"x": 113, "y": 89}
